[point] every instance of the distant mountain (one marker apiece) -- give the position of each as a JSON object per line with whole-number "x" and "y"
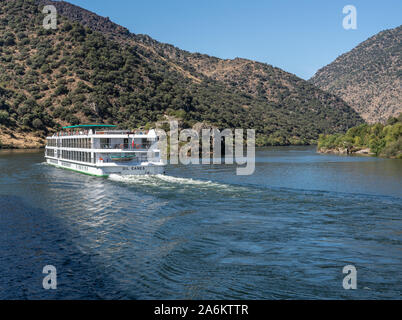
{"x": 368, "y": 77}
{"x": 92, "y": 70}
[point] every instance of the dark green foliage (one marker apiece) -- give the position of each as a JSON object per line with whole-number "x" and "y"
{"x": 8, "y": 39}
{"x": 61, "y": 89}
{"x": 383, "y": 140}
{"x": 4, "y": 117}
{"x": 37, "y": 123}
{"x": 73, "y": 120}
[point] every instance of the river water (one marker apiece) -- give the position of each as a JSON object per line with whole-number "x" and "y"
{"x": 201, "y": 232}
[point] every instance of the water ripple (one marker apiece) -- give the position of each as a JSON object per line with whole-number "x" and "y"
{"x": 195, "y": 233}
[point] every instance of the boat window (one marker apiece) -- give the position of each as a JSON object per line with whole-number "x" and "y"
{"x": 105, "y": 143}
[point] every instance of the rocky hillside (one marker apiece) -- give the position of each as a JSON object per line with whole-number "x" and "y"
{"x": 368, "y": 77}
{"x": 92, "y": 70}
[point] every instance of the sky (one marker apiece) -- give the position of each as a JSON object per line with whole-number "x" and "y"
{"x": 299, "y": 36}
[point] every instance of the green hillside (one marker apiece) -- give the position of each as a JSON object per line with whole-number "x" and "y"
{"x": 74, "y": 74}
{"x": 377, "y": 139}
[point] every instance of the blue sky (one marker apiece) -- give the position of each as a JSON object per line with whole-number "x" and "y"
{"x": 297, "y": 36}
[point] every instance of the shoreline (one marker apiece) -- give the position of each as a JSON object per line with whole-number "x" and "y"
{"x": 4, "y": 147}
{"x": 345, "y": 151}
{"x": 8, "y": 147}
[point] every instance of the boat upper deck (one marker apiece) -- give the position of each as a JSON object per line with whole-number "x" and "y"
{"x": 103, "y": 145}
{"x": 101, "y": 139}
{"x": 101, "y": 131}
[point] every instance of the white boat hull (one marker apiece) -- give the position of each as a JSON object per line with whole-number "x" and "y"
{"x": 93, "y": 170}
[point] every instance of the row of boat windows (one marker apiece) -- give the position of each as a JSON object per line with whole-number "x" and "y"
{"x": 71, "y": 155}
{"x": 76, "y": 143}
{"x": 50, "y": 152}
{"x": 52, "y": 142}
{"x": 76, "y": 156}
{"x": 83, "y": 143}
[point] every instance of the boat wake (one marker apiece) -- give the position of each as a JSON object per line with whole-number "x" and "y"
{"x": 152, "y": 179}
{"x": 171, "y": 182}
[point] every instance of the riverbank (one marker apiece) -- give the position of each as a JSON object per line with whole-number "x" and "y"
{"x": 20, "y": 140}
{"x": 346, "y": 151}
{"x": 382, "y": 140}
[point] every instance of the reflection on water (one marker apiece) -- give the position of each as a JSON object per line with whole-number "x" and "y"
{"x": 203, "y": 232}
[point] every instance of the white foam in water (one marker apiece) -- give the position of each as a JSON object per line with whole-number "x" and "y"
{"x": 184, "y": 180}
{"x": 153, "y": 178}
{"x": 157, "y": 179}
{"x": 128, "y": 178}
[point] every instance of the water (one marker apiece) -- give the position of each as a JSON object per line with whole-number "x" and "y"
{"x": 201, "y": 232}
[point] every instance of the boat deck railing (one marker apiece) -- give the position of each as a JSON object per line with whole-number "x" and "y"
{"x": 114, "y": 132}
{"x": 121, "y": 159}
{"x": 125, "y": 146}
{"x": 96, "y": 132}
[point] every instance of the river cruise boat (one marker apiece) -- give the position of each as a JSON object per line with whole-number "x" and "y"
{"x": 101, "y": 150}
